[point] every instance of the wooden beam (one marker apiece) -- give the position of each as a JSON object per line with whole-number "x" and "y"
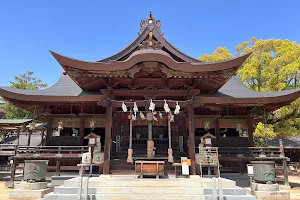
{"x": 192, "y": 139}
{"x": 218, "y": 136}
{"x": 250, "y": 132}
{"x": 107, "y": 144}
{"x": 49, "y": 130}
{"x": 142, "y": 93}
{"x": 81, "y": 131}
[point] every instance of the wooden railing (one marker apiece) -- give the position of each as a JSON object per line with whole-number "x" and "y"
{"x": 29, "y": 150}
{"x": 7, "y": 149}
{"x": 157, "y": 141}
{"x": 250, "y": 151}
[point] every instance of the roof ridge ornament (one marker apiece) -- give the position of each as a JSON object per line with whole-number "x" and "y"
{"x": 150, "y": 43}
{"x": 150, "y": 21}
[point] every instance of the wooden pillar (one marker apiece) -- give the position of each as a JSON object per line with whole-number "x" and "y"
{"x": 250, "y": 132}
{"x": 191, "y": 139}
{"x": 29, "y": 137}
{"x": 81, "y": 131}
{"x": 42, "y": 138}
{"x": 218, "y": 136}
{"x": 107, "y": 138}
{"x": 57, "y": 170}
{"x": 49, "y": 130}
{"x": 13, "y": 173}
{"x": 18, "y": 136}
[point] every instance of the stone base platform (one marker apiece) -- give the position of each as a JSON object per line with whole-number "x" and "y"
{"x": 29, "y": 194}
{"x": 59, "y": 180}
{"x": 272, "y": 195}
{"x": 26, "y": 190}
{"x": 131, "y": 188}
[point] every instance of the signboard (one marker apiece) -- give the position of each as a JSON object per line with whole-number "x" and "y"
{"x": 250, "y": 170}
{"x": 185, "y": 165}
{"x": 98, "y": 158}
{"x": 86, "y": 158}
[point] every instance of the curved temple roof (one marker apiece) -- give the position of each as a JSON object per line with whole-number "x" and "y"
{"x": 149, "y": 55}
{"x": 149, "y": 46}
{"x": 232, "y": 92}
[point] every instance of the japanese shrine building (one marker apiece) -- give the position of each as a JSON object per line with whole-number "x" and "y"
{"x": 89, "y": 97}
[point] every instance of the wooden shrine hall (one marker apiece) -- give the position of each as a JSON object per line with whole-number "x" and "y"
{"x": 149, "y": 100}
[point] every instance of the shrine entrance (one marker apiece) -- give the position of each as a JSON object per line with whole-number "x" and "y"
{"x": 159, "y": 136}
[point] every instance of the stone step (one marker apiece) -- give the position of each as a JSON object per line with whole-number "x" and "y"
{"x": 72, "y": 190}
{"x": 145, "y": 190}
{"x": 134, "y": 182}
{"x": 227, "y": 191}
{"x": 52, "y": 196}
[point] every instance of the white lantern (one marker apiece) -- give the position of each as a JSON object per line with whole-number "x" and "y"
{"x": 207, "y": 126}
{"x": 23, "y": 128}
{"x": 32, "y": 125}
{"x": 92, "y": 124}
{"x": 60, "y": 126}
{"x": 238, "y": 127}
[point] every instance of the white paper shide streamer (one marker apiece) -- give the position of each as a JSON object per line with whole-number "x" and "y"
{"x": 133, "y": 117}
{"x": 160, "y": 115}
{"x": 124, "y": 107}
{"x": 135, "y": 108}
{"x": 142, "y": 116}
{"x": 166, "y": 107}
{"x": 177, "y": 108}
{"x": 151, "y": 106}
{"x": 154, "y": 118}
{"x": 172, "y": 118}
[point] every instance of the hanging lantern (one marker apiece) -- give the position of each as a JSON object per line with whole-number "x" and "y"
{"x": 151, "y": 106}
{"x": 92, "y": 124}
{"x": 149, "y": 116}
{"x": 60, "y": 126}
{"x": 177, "y": 108}
{"x": 166, "y": 107}
{"x": 207, "y": 126}
{"x": 32, "y": 125}
{"x": 124, "y": 107}
{"x": 142, "y": 116}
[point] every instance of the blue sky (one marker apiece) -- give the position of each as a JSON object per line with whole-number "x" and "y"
{"x": 92, "y": 30}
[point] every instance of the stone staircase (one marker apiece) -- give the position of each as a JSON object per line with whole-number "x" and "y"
{"x": 131, "y": 188}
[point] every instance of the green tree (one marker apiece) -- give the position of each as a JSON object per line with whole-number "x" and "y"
{"x": 26, "y": 82}
{"x": 272, "y": 66}
{"x": 219, "y": 54}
